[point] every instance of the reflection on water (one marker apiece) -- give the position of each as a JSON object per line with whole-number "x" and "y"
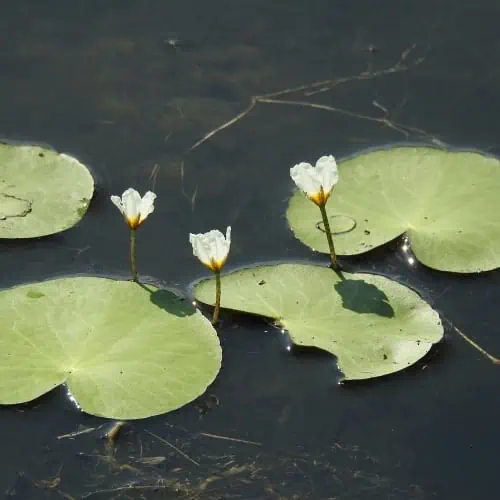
{"x": 129, "y": 88}
{"x": 71, "y": 398}
{"x": 407, "y": 252}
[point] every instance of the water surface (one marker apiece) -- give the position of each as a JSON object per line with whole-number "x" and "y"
{"x": 129, "y": 87}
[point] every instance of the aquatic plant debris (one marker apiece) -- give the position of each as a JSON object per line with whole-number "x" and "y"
{"x": 404, "y": 63}
{"x": 373, "y": 325}
{"x": 125, "y": 351}
{"x": 42, "y": 191}
{"x": 446, "y": 201}
{"x": 194, "y": 469}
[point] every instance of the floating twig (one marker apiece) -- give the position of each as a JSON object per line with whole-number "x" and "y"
{"x": 76, "y": 433}
{"x": 192, "y": 198}
{"x": 119, "y": 489}
{"x": 227, "y": 438}
{"x": 310, "y": 89}
{"x": 493, "y": 359}
{"x": 164, "y": 441}
{"x": 154, "y": 175}
{"x": 253, "y": 102}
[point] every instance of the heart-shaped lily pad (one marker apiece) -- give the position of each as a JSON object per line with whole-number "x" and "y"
{"x": 373, "y": 325}
{"x": 447, "y": 202}
{"x": 42, "y": 191}
{"x": 124, "y": 350}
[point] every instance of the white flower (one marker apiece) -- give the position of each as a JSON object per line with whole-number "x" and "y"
{"x": 134, "y": 208}
{"x": 316, "y": 182}
{"x": 211, "y": 248}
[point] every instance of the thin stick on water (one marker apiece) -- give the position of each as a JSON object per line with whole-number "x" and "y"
{"x": 328, "y": 233}
{"x": 313, "y": 88}
{"x": 493, "y": 359}
{"x": 227, "y": 124}
{"x": 133, "y": 267}
{"x": 215, "y": 317}
{"x": 76, "y": 433}
{"x": 180, "y": 452}
{"x": 227, "y": 438}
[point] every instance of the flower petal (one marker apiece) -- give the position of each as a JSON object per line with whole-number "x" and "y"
{"x": 212, "y": 248}
{"x": 226, "y": 246}
{"x": 146, "y": 205}
{"x": 219, "y": 248}
{"x": 326, "y": 168}
{"x": 304, "y": 176}
{"x": 118, "y": 203}
{"x": 199, "y": 249}
{"x": 131, "y": 200}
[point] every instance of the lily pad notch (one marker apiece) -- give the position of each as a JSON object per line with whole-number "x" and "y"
{"x": 125, "y": 351}
{"x": 446, "y": 201}
{"x": 42, "y": 191}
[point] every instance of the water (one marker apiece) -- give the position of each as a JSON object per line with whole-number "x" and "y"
{"x": 128, "y": 87}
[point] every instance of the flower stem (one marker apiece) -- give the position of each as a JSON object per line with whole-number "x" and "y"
{"x": 328, "y": 232}
{"x": 217, "y": 297}
{"x": 133, "y": 266}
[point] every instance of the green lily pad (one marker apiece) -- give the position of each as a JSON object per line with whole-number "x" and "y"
{"x": 42, "y": 191}
{"x": 373, "y": 325}
{"x": 447, "y": 203}
{"x": 125, "y": 350}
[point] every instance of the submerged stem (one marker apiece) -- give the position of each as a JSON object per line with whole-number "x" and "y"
{"x": 133, "y": 267}
{"x": 328, "y": 233}
{"x": 217, "y": 297}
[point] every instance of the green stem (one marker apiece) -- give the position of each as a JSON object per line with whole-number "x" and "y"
{"x": 217, "y": 297}
{"x": 328, "y": 232}
{"x": 133, "y": 266}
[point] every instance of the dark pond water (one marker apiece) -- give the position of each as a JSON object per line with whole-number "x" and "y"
{"x": 128, "y": 87}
